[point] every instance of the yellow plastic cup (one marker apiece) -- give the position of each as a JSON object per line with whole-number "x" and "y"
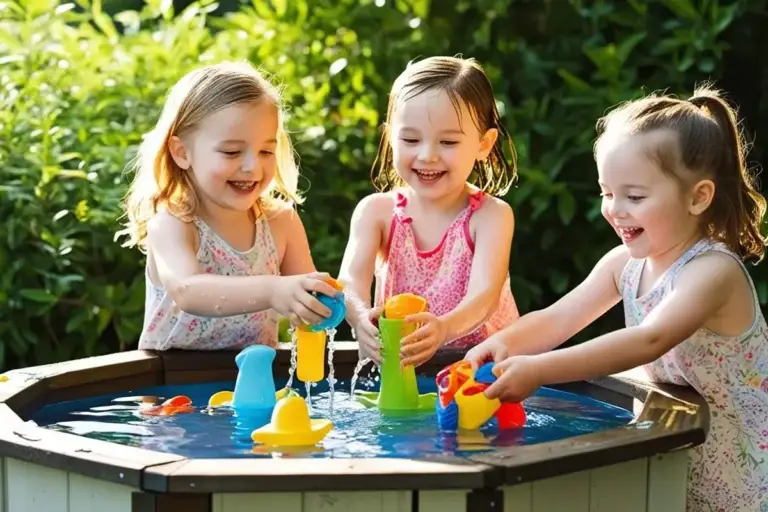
{"x": 310, "y": 355}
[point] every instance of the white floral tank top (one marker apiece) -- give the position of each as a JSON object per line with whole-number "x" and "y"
{"x": 166, "y": 327}
{"x": 729, "y": 472}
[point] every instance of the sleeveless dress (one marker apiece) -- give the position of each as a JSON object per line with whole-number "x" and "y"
{"x": 166, "y": 327}
{"x": 440, "y": 275}
{"x": 729, "y": 472}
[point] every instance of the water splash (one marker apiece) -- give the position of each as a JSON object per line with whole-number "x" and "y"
{"x": 308, "y": 391}
{"x": 360, "y": 364}
{"x": 292, "y": 369}
{"x": 331, "y": 333}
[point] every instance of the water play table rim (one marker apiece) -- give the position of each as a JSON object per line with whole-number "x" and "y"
{"x": 670, "y": 418}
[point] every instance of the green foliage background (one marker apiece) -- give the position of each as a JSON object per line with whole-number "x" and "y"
{"x": 80, "y": 84}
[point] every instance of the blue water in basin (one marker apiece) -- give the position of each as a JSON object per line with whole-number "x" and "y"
{"x": 358, "y": 431}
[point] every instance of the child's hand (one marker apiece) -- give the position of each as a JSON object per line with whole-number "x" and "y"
{"x": 293, "y": 298}
{"x": 418, "y": 347}
{"x": 492, "y": 349}
{"x": 517, "y": 379}
{"x": 367, "y": 335}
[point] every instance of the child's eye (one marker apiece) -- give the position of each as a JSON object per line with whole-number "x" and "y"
{"x": 450, "y": 142}
{"x": 267, "y": 153}
{"x": 635, "y": 199}
{"x": 606, "y": 194}
{"x": 230, "y": 154}
{"x": 409, "y": 141}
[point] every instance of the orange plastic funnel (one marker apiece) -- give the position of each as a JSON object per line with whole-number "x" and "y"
{"x": 400, "y": 306}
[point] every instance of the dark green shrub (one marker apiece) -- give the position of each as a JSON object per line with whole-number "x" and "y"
{"x": 78, "y": 89}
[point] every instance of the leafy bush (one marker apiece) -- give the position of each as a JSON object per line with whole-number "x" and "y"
{"x": 80, "y": 87}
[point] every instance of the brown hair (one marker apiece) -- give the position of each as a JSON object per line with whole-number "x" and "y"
{"x": 463, "y": 80}
{"x": 708, "y": 143}
{"x": 159, "y": 182}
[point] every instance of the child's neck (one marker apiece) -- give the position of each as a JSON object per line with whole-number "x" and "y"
{"x": 235, "y": 227}
{"x": 449, "y": 204}
{"x": 659, "y": 263}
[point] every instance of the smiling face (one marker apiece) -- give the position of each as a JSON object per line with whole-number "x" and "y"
{"x": 231, "y": 155}
{"x": 434, "y": 146}
{"x": 650, "y": 210}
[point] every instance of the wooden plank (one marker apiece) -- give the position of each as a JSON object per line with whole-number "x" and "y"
{"x": 442, "y": 501}
{"x": 256, "y": 502}
{"x": 180, "y": 502}
{"x": 518, "y": 498}
{"x": 619, "y": 487}
{"x": 33, "y": 488}
{"x": 2, "y": 484}
{"x": 667, "y": 482}
{"x": 567, "y": 492}
{"x": 91, "y": 495}
{"x": 369, "y": 501}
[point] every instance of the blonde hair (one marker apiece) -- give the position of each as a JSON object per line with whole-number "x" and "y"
{"x": 161, "y": 183}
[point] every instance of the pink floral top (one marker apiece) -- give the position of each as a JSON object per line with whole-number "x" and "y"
{"x": 729, "y": 472}
{"x": 166, "y": 327}
{"x": 440, "y": 275}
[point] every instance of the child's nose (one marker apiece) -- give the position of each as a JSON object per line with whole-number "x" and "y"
{"x": 427, "y": 153}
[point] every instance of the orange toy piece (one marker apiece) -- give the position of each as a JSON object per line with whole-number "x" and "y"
{"x": 176, "y": 405}
{"x": 334, "y": 283}
{"x": 400, "y": 306}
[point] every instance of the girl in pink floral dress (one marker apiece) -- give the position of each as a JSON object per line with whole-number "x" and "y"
{"x": 430, "y": 232}
{"x": 225, "y": 253}
{"x": 677, "y": 192}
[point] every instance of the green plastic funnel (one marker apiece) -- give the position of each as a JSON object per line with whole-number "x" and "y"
{"x": 398, "y": 386}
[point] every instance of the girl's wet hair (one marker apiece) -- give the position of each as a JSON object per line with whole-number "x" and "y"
{"x": 708, "y": 144}
{"x": 160, "y": 183}
{"x": 464, "y": 80}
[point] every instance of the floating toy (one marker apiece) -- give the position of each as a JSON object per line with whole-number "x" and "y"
{"x": 462, "y": 402}
{"x": 224, "y": 398}
{"x": 255, "y": 384}
{"x": 292, "y": 426}
{"x": 337, "y": 306}
{"x": 398, "y": 391}
{"x": 177, "y": 405}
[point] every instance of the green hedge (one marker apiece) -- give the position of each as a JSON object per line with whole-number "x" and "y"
{"x": 78, "y": 88}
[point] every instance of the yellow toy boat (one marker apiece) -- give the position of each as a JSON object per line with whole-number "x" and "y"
{"x": 292, "y": 426}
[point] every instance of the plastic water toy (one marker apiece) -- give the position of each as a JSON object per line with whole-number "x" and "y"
{"x": 337, "y": 306}
{"x": 398, "y": 390}
{"x": 292, "y": 426}
{"x": 255, "y": 384}
{"x": 177, "y": 405}
{"x": 310, "y": 355}
{"x": 462, "y": 403}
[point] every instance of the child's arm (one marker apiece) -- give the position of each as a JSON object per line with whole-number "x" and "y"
{"x": 357, "y": 268}
{"x": 297, "y": 256}
{"x": 490, "y": 264}
{"x": 701, "y": 291}
{"x": 542, "y": 330}
{"x": 358, "y": 263}
{"x": 172, "y": 243}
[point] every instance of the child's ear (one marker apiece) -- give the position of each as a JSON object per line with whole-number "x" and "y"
{"x": 702, "y": 195}
{"x": 178, "y": 152}
{"x": 487, "y": 142}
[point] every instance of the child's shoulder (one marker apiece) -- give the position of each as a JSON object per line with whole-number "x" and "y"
{"x": 165, "y": 224}
{"x": 378, "y": 205}
{"x": 492, "y": 205}
{"x": 716, "y": 265}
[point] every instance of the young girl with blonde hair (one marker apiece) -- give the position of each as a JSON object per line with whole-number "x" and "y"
{"x": 211, "y": 207}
